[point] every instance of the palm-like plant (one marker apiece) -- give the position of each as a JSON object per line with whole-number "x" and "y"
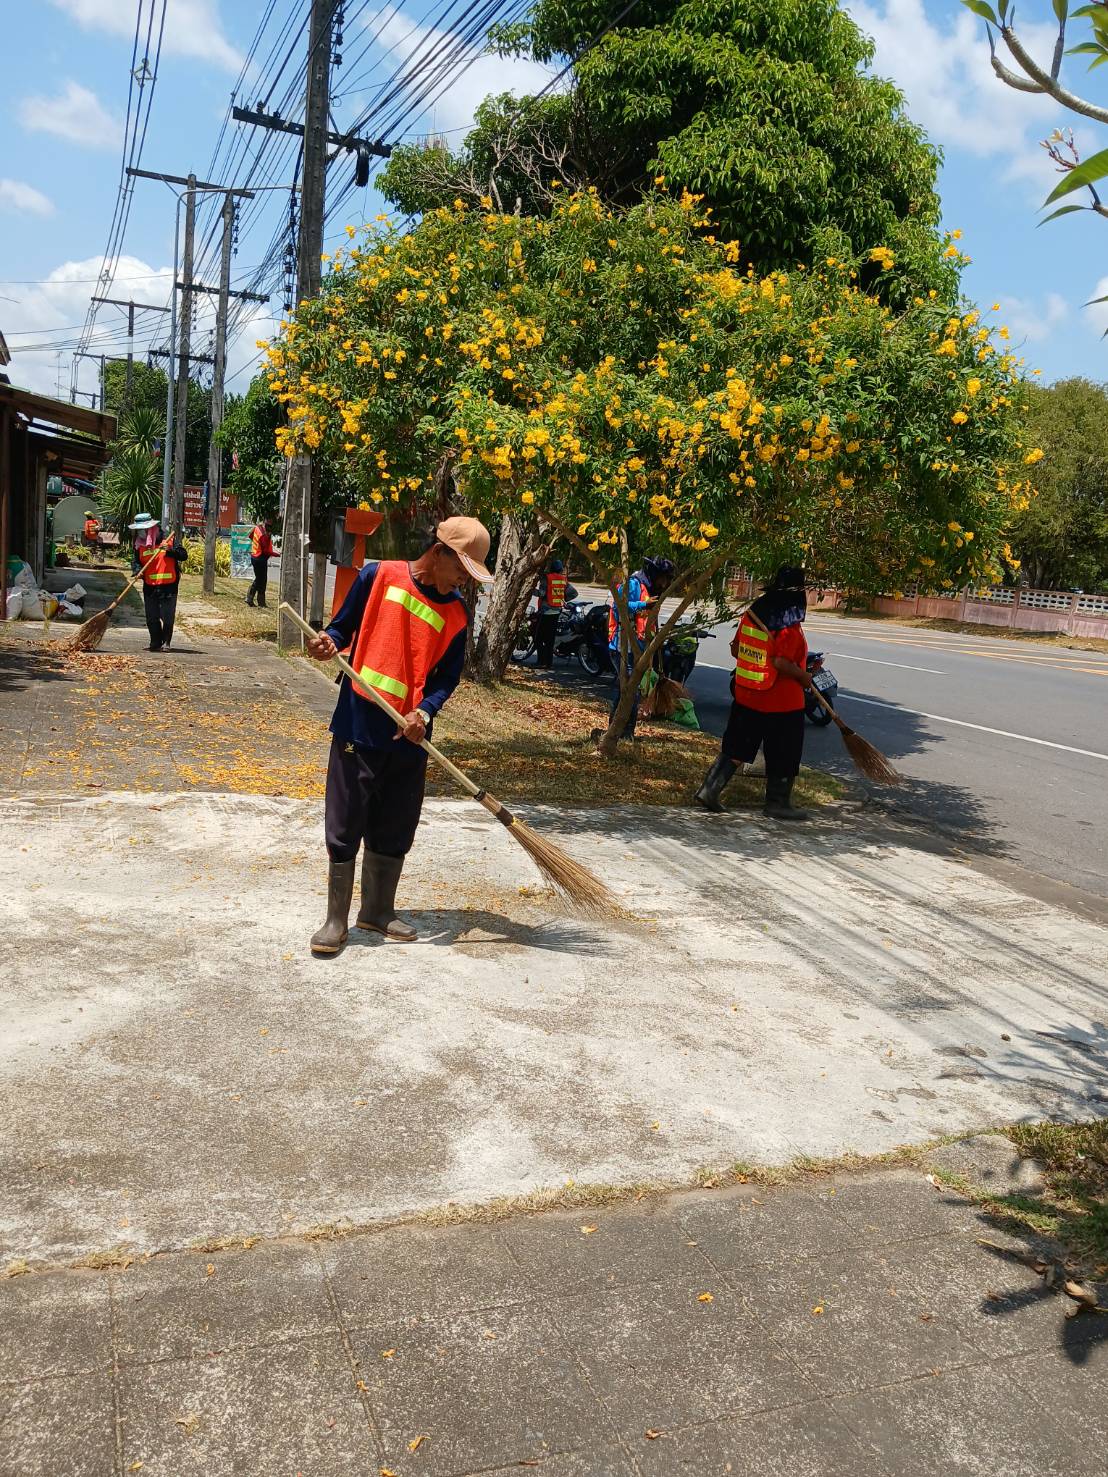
{"x": 131, "y": 482}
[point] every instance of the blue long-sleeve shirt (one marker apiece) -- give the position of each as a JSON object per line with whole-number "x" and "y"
{"x": 638, "y": 598}
{"x": 358, "y": 721}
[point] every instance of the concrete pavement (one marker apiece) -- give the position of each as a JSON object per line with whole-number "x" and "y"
{"x": 840, "y": 1325}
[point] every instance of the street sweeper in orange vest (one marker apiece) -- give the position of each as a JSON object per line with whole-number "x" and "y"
{"x": 403, "y": 627}
{"x": 767, "y": 689}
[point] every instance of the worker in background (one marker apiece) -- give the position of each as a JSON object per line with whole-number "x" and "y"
{"x": 261, "y": 552}
{"x": 552, "y": 591}
{"x": 768, "y": 687}
{"x": 161, "y": 574}
{"x": 645, "y": 589}
{"x": 91, "y": 536}
{"x": 404, "y": 626}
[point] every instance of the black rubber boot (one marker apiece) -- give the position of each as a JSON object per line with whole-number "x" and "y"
{"x": 340, "y": 889}
{"x": 714, "y": 782}
{"x": 380, "y": 878}
{"x": 779, "y": 806}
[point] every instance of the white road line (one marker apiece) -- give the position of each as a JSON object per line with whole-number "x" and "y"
{"x": 980, "y": 727}
{"x": 849, "y": 656}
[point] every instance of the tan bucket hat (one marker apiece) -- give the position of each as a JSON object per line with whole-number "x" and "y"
{"x": 470, "y": 540}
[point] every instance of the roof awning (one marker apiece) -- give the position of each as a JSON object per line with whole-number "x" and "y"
{"x": 42, "y": 410}
{"x": 67, "y": 457}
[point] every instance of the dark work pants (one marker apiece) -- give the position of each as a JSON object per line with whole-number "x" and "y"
{"x": 373, "y": 796}
{"x": 781, "y": 736}
{"x": 632, "y": 657}
{"x": 261, "y": 579}
{"x": 545, "y": 632}
{"x": 160, "y": 602}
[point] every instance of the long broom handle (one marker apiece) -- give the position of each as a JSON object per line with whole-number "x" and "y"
{"x": 488, "y": 801}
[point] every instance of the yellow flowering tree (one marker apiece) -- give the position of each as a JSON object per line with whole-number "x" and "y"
{"x": 629, "y": 381}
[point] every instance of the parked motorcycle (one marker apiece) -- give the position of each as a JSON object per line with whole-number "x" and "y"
{"x": 593, "y": 653}
{"x": 568, "y": 637}
{"x": 827, "y": 683}
{"x": 679, "y": 651}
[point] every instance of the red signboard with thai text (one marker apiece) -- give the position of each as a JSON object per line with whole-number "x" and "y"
{"x": 194, "y": 508}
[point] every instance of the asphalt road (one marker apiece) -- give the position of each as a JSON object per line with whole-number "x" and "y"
{"x": 1002, "y": 743}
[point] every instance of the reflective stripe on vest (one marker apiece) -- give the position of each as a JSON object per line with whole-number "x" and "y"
{"x": 386, "y": 684}
{"x": 640, "y": 615}
{"x": 157, "y": 567}
{"x": 556, "y": 590}
{"x": 256, "y": 544}
{"x": 419, "y": 608}
{"x": 402, "y": 636}
{"x": 753, "y": 667}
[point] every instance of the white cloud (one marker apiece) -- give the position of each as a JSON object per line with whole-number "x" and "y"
{"x": 192, "y": 27}
{"x": 943, "y": 69}
{"x": 1030, "y": 322}
{"x": 51, "y": 312}
{"x": 15, "y": 195}
{"x": 453, "y": 111}
{"x": 75, "y": 114}
{"x": 1096, "y": 316}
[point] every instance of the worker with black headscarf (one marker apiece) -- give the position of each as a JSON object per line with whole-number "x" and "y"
{"x": 767, "y": 687}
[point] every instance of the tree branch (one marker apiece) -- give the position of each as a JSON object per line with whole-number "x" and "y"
{"x": 1048, "y": 83}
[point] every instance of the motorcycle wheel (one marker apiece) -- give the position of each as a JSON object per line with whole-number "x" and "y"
{"x": 589, "y": 659}
{"x": 524, "y": 646}
{"x": 818, "y": 715}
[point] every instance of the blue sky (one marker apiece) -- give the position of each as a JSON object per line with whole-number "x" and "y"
{"x": 68, "y": 63}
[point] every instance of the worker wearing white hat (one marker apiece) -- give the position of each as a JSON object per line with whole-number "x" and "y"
{"x": 160, "y": 561}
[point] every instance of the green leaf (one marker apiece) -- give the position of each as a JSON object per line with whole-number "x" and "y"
{"x": 979, "y": 7}
{"x": 1061, "y": 10}
{"x": 1093, "y": 300}
{"x": 1063, "y": 210}
{"x": 1087, "y": 48}
{"x": 1092, "y": 169}
{"x": 1101, "y": 59}
{"x": 1087, "y": 10}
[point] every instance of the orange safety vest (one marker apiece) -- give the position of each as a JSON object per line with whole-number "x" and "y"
{"x": 556, "y": 590}
{"x": 753, "y": 669}
{"x": 641, "y": 617}
{"x": 403, "y": 636}
{"x": 256, "y": 542}
{"x": 92, "y": 528}
{"x": 157, "y": 567}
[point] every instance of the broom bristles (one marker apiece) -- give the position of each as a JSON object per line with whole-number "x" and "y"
{"x": 868, "y": 760}
{"x": 90, "y": 634}
{"x": 576, "y": 883}
{"x": 664, "y": 698}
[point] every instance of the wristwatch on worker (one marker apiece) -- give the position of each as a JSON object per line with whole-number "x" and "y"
{"x": 423, "y": 713}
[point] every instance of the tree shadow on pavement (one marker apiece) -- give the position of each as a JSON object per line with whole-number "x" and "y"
{"x": 23, "y": 665}
{"x": 484, "y": 934}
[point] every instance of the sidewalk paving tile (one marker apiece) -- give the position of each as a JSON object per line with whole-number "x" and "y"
{"x": 660, "y": 1357}
{"x": 802, "y": 1441}
{"x": 412, "y": 1271}
{"x": 567, "y": 1252}
{"x": 971, "y": 1422}
{"x": 53, "y": 1324}
{"x": 174, "y": 1307}
{"x": 897, "y": 1203}
{"x": 999, "y": 1306}
{"x": 760, "y": 1224}
{"x": 290, "y": 1408}
{"x": 486, "y": 1389}
{"x": 596, "y": 1461}
{"x": 58, "y": 1428}
{"x": 851, "y": 1322}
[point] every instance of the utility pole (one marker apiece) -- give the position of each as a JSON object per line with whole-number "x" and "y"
{"x": 299, "y": 499}
{"x": 130, "y": 305}
{"x": 173, "y": 498}
{"x": 177, "y": 503}
{"x": 215, "y": 451}
{"x": 83, "y": 354}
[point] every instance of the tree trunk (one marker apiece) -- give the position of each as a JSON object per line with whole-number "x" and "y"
{"x": 521, "y": 554}
{"x": 319, "y": 589}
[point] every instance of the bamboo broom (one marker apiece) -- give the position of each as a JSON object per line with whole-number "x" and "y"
{"x": 91, "y": 632}
{"x": 575, "y": 882}
{"x": 866, "y": 759}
